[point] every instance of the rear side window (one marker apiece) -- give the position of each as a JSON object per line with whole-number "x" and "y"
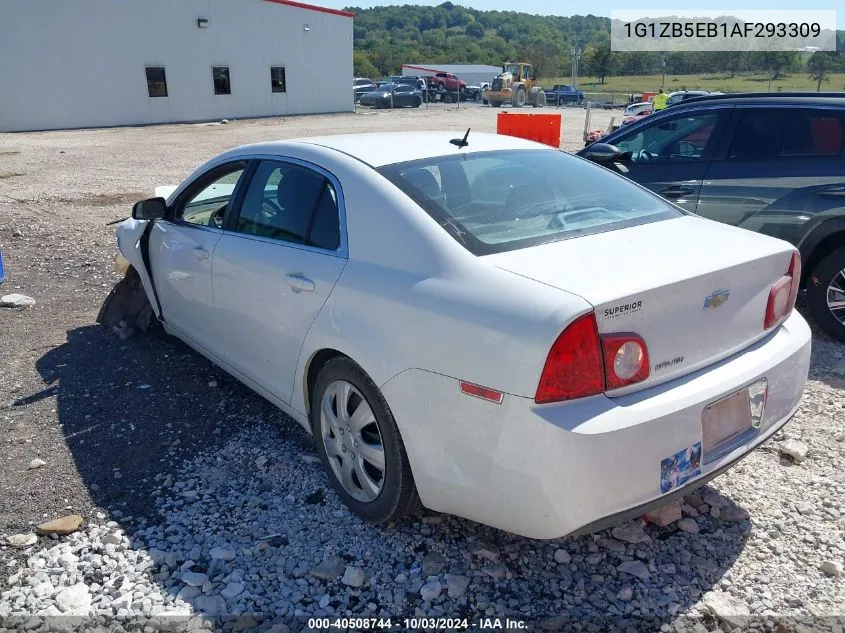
{"x": 499, "y": 201}
{"x": 774, "y": 133}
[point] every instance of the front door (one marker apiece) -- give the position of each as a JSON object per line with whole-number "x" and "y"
{"x": 670, "y": 155}
{"x": 182, "y": 252}
{"x": 276, "y": 268}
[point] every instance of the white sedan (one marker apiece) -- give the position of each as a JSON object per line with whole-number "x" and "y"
{"x": 490, "y": 328}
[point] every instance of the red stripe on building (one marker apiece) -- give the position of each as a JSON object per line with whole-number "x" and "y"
{"x": 314, "y": 7}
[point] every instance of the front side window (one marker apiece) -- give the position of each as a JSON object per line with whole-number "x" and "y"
{"x": 277, "y": 79}
{"x": 156, "y": 81}
{"x": 680, "y": 139}
{"x": 772, "y": 133}
{"x": 504, "y": 200}
{"x": 206, "y": 204}
{"x": 220, "y": 76}
{"x": 291, "y": 203}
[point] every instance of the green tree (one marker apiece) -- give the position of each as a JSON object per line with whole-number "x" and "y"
{"x": 475, "y": 29}
{"x": 598, "y": 59}
{"x": 820, "y": 65}
{"x": 363, "y": 65}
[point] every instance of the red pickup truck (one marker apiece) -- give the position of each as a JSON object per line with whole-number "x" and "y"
{"x": 446, "y": 81}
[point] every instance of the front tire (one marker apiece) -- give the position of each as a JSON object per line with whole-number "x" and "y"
{"x": 826, "y": 294}
{"x": 359, "y": 444}
{"x": 519, "y": 98}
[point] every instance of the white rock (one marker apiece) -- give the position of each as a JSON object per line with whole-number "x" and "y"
{"x": 22, "y": 541}
{"x": 431, "y": 590}
{"x": 634, "y": 568}
{"x": 665, "y": 515}
{"x": 232, "y": 590}
{"x": 36, "y": 463}
{"x": 456, "y": 585}
{"x": 794, "y": 449}
{"x": 220, "y": 553}
{"x": 188, "y": 593}
{"x": 194, "y": 579}
{"x": 75, "y": 600}
{"x": 261, "y": 461}
{"x": 562, "y": 557}
{"x": 726, "y": 607}
{"x": 832, "y": 568}
{"x": 16, "y": 300}
{"x": 625, "y": 594}
{"x": 631, "y": 533}
{"x": 688, "y": 525}
{"x": 353, "y": 577}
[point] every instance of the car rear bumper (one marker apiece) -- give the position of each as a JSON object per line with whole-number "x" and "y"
{"x": 544, "y": 471}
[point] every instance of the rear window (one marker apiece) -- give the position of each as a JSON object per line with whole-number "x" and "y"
{"x": 493, "y": 202}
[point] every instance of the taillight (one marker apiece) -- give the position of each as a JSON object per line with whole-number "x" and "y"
{"x": 582, "y": 363}
{"x": 783, "y": 294}
{"x": 625, "y": 359}
{"x": 573, "y": 367}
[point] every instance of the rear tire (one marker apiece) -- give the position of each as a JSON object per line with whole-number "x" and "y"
{"x": 341, "y": 389}
{"x": 519, "y": 98}
{"x": 826, "y": 286}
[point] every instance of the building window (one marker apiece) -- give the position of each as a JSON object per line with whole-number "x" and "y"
{"x": 220, "y": 74}
{"x": 156, "y": 81}
{"x": 277, "y": 78}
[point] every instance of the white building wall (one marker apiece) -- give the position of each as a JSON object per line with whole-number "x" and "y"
{"x": 81, "y": 63}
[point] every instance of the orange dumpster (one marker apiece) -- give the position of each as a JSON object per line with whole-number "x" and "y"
{"x": 542, "y": 128}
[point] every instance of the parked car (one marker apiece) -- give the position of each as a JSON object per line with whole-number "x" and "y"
{"x": 636, "y": 108}
{"x": 446, "y": 81}
{"x": 473, "y": 93}
{"x": 564, "y": 93}
{"x": 768, "y": 162}
{"x": 637, "y": 116}
{"x": 393, "y": 96}
{"x": 360, "y": 85}
{"x": 682, "y": 95}
{"x": 648, "y": 350}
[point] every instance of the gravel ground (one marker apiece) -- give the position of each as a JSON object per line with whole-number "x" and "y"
{"x": 198, "y": 497}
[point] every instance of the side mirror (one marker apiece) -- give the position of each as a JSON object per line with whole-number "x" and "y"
{"x": 603, "y": 152}
{"x": 150, "y": 209}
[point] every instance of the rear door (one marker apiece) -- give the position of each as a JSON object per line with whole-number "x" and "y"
{"x": 670, "y": 155}
{"x": 777, "y": 169}
{"x": 275, "y": 268}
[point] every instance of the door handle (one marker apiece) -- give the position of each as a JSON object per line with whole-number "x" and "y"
{"x": 833, "y": 192}
{"x": 200, "y": 253}
{"x": 675, "y": 192}
{"x": 298, "y": 283}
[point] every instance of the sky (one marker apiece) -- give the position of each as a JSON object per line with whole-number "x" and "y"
{"x": 584, "y": 7}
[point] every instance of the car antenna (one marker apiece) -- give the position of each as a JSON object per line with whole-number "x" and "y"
{"x": 461, "y": 142}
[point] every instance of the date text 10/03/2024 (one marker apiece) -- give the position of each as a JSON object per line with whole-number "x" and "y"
{"x": 405, "y": 624}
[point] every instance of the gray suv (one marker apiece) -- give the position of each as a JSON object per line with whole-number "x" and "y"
{"x": 768, "y": 162}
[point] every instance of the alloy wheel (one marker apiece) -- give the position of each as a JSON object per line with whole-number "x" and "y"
{"x": 353, "y": 442}
{"x": 836, "y": 296}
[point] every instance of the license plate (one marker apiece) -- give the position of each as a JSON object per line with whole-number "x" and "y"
{"x": 724, "y": 422}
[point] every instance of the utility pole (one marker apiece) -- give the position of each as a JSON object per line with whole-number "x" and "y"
{"x": 663, "y": 81}
{"x": 576, "y": 55}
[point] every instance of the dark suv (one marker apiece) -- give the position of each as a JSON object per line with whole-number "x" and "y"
{"x": 768, "y": 162}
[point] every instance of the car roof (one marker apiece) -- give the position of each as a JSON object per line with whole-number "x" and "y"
{"x": 386, "y": 148}
{"x": 770, "y": 98}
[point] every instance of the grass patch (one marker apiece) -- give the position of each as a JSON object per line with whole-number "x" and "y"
{"x": 721, "y": 83}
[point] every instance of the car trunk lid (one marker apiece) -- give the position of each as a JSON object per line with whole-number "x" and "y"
{"x": 693, "y": 289}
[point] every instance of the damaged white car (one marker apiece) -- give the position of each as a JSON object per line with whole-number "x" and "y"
{"x": 483, "y": 325}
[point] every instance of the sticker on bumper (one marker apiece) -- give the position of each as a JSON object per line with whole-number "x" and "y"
{"x": 679, "y": 468}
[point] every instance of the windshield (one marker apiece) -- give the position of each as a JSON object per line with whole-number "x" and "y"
{"x": 499, "y": 201}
